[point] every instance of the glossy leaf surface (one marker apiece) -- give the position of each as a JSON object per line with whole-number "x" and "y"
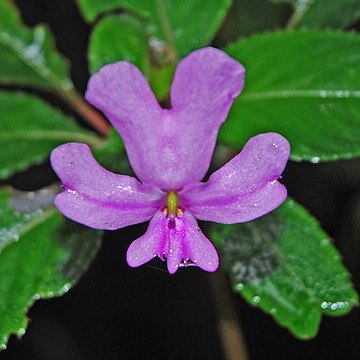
{"x": 323, "y": 13}
{"x": 12, "y": 223}
{"x": 117, "y": 38}
{"x": 47, "y": 259}
{"x": 122, "y": 37}
{"x": 181, "y": 25}
{"x": 303, "y": 87}
{"x": 286, "y": 264}
{"x": 28, "y": 56}
{"x": 30, "y": 129}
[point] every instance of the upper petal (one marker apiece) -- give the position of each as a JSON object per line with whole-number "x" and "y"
{"x": 204, "y": 87}
{"x": 122, "y": 93}
{"x": 179, "y": 240}
{"x": 97, "y": 197}
{"x": 169, "y": 148}
{"x": 246, "y": 187}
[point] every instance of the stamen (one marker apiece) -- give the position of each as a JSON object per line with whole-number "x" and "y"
{"x": 172, "y": 202}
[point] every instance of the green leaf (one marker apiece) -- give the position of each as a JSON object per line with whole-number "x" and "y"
{"x": 248, "y": 17}
{"x": 168, "y": 21}
{"x": 323, "y": 13}
{"x": 91, "y": 9}
{"x": 11, "y": 222}
{"x": 303, "y": 86}
{"x": 117, "y": 38}
{"x": 111, "y": 154}
{"x": 47, "y": 259}
{"x": 28, "y": 56}
{"x": 30, "y": 129}
{"x": 21, "y": 211}
{"x": 286, "y": 264}
{"x": 124, "y": 37}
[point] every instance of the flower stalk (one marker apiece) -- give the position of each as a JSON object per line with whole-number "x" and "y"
{"x": 86, "y": 111}
{"x": 228, "y": 324}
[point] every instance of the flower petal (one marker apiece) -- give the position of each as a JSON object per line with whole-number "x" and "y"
{"x": 123, "y": 94}
{"x": 246, "y": 187}
{"x": 177, "y": 239}
{"x": 150, "y": 244}
{"x": 159, "y": 142}
{"x": 205, "y": 85}
{"x": 95, "y": 196}
{"x": 200, "y": 249}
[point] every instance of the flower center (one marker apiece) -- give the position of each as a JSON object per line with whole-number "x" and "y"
{"x": 172, "y": 204}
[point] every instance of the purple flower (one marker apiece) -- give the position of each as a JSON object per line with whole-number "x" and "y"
{"x": 170, "y": 152}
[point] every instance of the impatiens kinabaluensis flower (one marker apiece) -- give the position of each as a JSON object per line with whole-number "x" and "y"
{"x": 170, "y": 152}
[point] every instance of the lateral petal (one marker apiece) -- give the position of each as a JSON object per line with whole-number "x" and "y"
{"x": 96, "y": 197}
{"x": 246, "y": 187}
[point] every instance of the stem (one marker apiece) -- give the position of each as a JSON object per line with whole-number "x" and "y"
{"x": 166, "y": 27}
{"x": 51, "y": 135}
{"x": 228, "y": 324}
{"x": 296, "y": 16}
{"x": 89, "y": 114}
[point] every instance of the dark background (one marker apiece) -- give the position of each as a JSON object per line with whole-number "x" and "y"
{"x": 137, "y": 314}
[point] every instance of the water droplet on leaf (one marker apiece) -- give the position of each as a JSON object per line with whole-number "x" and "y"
{"x": 315, "y": 159}
{"x": 324, "y": 305}
{"x": 240, "y": 287}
